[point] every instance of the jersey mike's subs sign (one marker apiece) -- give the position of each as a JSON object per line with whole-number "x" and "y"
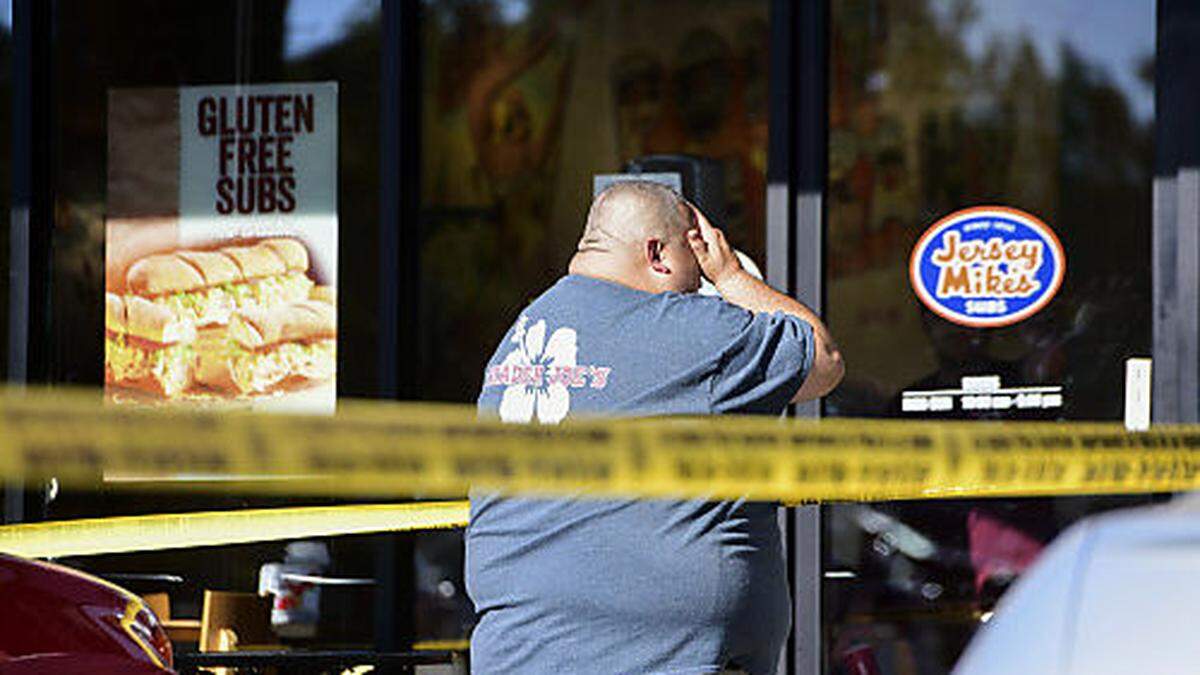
{"x": 987, "y": 266}
{"x": 221, "y": 258}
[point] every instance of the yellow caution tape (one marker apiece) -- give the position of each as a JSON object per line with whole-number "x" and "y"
{"x": 394, "y": 449}
{"x": 219, "y": 528}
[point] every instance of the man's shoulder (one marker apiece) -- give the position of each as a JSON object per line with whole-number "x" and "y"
{"x": 588, "y": 303}
{"x": 594, "y": 292}
{"x": 702, "y": 311}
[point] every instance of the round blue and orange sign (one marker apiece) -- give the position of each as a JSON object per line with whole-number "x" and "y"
{"x": 987, "y": 266}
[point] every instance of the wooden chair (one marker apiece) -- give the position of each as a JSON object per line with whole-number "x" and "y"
{"x": 178, "y": 630}
{"x": 232, "y": 621}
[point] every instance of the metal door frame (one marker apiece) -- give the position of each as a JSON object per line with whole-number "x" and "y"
{"x": 796, "y": 170}
{"x": 1176, "y": 219}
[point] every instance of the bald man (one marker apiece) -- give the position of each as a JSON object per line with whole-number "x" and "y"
{"x": 628, "y": 586}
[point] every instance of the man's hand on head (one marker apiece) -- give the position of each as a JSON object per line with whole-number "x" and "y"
{"x": 720, "y": 264}
{"x": 717, "y": 260}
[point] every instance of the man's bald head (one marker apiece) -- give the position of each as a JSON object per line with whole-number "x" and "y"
{"x": 636, "y": 235}
{"x": 628, "y": 212}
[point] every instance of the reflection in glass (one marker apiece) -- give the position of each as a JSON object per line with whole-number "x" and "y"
{"x": 315, "y": 25}
{"x": 523, "y": 102}
{"x": 938, "y": 105}
{"x": 143, "y": 43}
{"x": 134, "y": 44}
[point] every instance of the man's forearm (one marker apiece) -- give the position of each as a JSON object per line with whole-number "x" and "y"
{"x": 746, "y": 291}
{"x": 719, "y": 263}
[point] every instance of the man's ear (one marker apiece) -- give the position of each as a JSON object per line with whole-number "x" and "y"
{"x": 654, "y": 257}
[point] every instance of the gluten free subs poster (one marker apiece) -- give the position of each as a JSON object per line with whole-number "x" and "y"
{"x": 221, "y": 245}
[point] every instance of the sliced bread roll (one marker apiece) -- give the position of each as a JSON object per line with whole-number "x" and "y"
{"x": 256, "y": 261}
{"x": 166, "y": 273}
{"x": 146, "y": 321}
{"x": 114, "y": 314}
{"x": 291, "y": 251}
{"x": 306, "y": 320}
{"x": 266, "y": 347}
{"x": 188, "y": 270}
{"x": 147, "y": 347}
{"x": 216, "y": 268}
{"x": 155, "y": 323}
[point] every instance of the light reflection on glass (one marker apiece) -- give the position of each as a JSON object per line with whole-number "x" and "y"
{"x": 937, "y": 105}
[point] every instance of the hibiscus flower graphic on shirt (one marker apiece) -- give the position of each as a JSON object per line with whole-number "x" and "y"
{"x": 539, "y": 374}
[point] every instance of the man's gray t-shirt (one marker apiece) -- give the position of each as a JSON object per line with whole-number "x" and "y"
{"x": 625, "y": 586}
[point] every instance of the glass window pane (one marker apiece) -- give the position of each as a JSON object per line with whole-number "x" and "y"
{"x": 936, "y": 106}
{"x": 523, "y": 102}
{"x": 135, "y": 44}
{"x": 153, "y": 45}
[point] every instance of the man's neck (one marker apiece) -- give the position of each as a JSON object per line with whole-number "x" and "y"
{"x": 599, "y": 266}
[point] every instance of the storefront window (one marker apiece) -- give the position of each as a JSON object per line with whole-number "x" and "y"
{"x": 936, "y": 106}
{"x": 143, "y": 44}
{"x": 523, "y": 102}
{"x": 139, "y": 49}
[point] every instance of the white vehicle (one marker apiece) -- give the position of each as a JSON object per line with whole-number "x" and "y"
{"x": 1117, "y": 593}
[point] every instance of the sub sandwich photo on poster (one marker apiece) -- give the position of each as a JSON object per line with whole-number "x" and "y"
{"x": 221, "y": 246}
